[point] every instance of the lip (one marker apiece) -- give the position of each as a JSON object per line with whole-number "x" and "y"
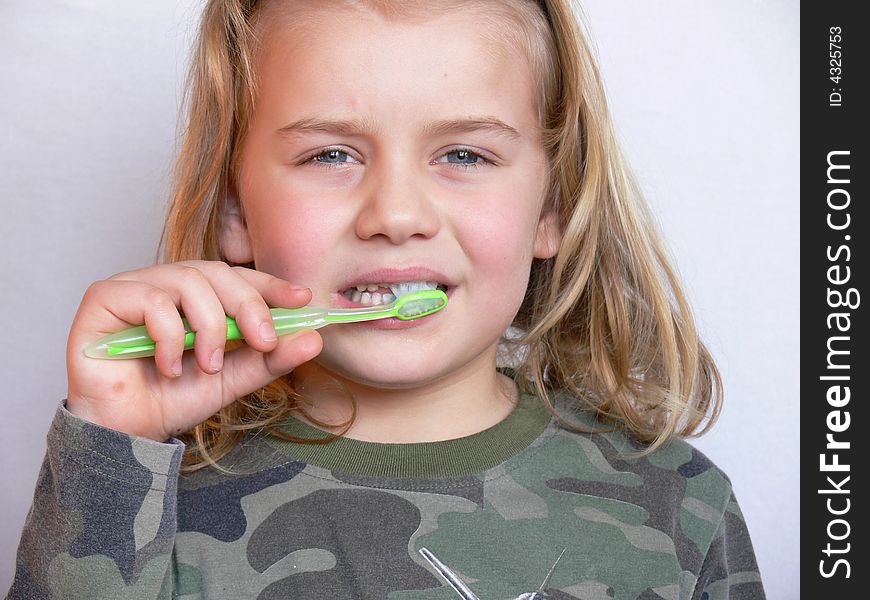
{"x": 396, "y": 276}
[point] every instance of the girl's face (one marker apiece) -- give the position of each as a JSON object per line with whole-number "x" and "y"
{"x": 387, "y": 151}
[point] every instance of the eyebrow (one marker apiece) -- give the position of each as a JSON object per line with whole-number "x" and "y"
{"x": 350, "y": 126}
{"x": 437, "y": 128}
{"x": 471, "y": 125}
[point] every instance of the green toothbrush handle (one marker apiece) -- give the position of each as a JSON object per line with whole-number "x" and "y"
{"x": 135, "y": 342}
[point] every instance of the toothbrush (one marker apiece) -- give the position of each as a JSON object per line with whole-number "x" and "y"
{"x": 135, "y": 342}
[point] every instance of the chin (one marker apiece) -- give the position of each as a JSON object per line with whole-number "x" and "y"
{"x": 386, "y": 373}
{"x": 404, "y": 360}
{"x": 387, "y": 366}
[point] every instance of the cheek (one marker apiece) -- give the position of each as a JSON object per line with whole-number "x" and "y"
{"x": 499, "y": 244}
{"x": 291, "y": 226}
{"x": 500, "y": 238}
{"x": 501, "y": 222}
{"x": 291, "y": 240}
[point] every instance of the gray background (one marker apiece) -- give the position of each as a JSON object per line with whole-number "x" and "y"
{"x": 705, "y": 96}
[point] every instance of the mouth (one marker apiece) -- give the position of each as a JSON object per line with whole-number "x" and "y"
{"x": 373, "y": 294}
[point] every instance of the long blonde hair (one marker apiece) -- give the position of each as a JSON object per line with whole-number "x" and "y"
{"x": 604, "y": 320}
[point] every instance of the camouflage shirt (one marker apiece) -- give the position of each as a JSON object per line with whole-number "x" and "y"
{"x": 523, "y": 510}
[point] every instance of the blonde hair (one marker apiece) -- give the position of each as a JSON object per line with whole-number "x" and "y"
{"x": 604, "y": 320}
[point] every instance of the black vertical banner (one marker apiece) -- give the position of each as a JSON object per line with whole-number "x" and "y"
{"x": 835, "y": 426}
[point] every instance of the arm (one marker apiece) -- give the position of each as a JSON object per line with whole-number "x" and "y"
{"x": 730, "y": 571}
{"x": 103, "y": 519}
{"x": 102, "y": 523}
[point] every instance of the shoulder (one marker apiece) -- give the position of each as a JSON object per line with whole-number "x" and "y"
{"x": 677, "y": 485}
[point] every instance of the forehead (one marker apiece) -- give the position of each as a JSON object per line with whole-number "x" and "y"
{"x": 342, "y": 47}
{"x": 508, "y": 28}
{"x": 507, "y": 13}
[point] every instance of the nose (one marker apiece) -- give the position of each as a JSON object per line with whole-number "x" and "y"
{"x": 396, "y": 207}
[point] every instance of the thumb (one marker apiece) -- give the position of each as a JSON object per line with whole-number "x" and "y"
{"x": 246, "y": 370}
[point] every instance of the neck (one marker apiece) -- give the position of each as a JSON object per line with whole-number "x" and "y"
{"x": 464, "y": 403}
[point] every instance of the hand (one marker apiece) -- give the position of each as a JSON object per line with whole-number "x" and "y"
{"x": 160, "y": 397}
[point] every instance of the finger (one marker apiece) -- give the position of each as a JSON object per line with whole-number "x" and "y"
{"x": 246, "y": 370}
{"x": 244, "y": 303}
{"x": 245, "y": 295}
{"x": 204, "y": 312}
{"x": 275, "y": 291}
{"x": 192, "y": 291}
{"x": 111, "y": 305}
{"x": 252, "y": 309}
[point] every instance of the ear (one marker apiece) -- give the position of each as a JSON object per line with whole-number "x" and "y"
{"x": 235, "y": 240}
{"x": 547, "y": 237}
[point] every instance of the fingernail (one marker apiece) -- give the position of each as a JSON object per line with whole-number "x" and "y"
{"x": 176, "y": 367}
{"x": 267, "y": 331}
{"x": 216, "y": 361}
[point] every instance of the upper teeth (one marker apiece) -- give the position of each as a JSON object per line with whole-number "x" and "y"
{"x": 368, "y": 293}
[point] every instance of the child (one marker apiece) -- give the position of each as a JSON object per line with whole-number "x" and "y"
{"x": 334, "y": 151}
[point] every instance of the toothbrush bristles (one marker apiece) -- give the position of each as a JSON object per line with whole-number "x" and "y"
{"x": 415, "y": 307}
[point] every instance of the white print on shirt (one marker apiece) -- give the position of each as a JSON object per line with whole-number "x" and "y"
{"x": 463, "y": 590}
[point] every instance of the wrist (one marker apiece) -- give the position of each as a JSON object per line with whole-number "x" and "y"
{"x": 117, "y": 420}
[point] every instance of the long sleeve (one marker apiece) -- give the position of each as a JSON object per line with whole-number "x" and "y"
{"x": 103, "y": 519}
{"x": 730, "y": 571}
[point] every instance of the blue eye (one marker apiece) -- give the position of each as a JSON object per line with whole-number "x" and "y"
{"x": 331, "y": 157}
{"x": 463, "y": 157}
